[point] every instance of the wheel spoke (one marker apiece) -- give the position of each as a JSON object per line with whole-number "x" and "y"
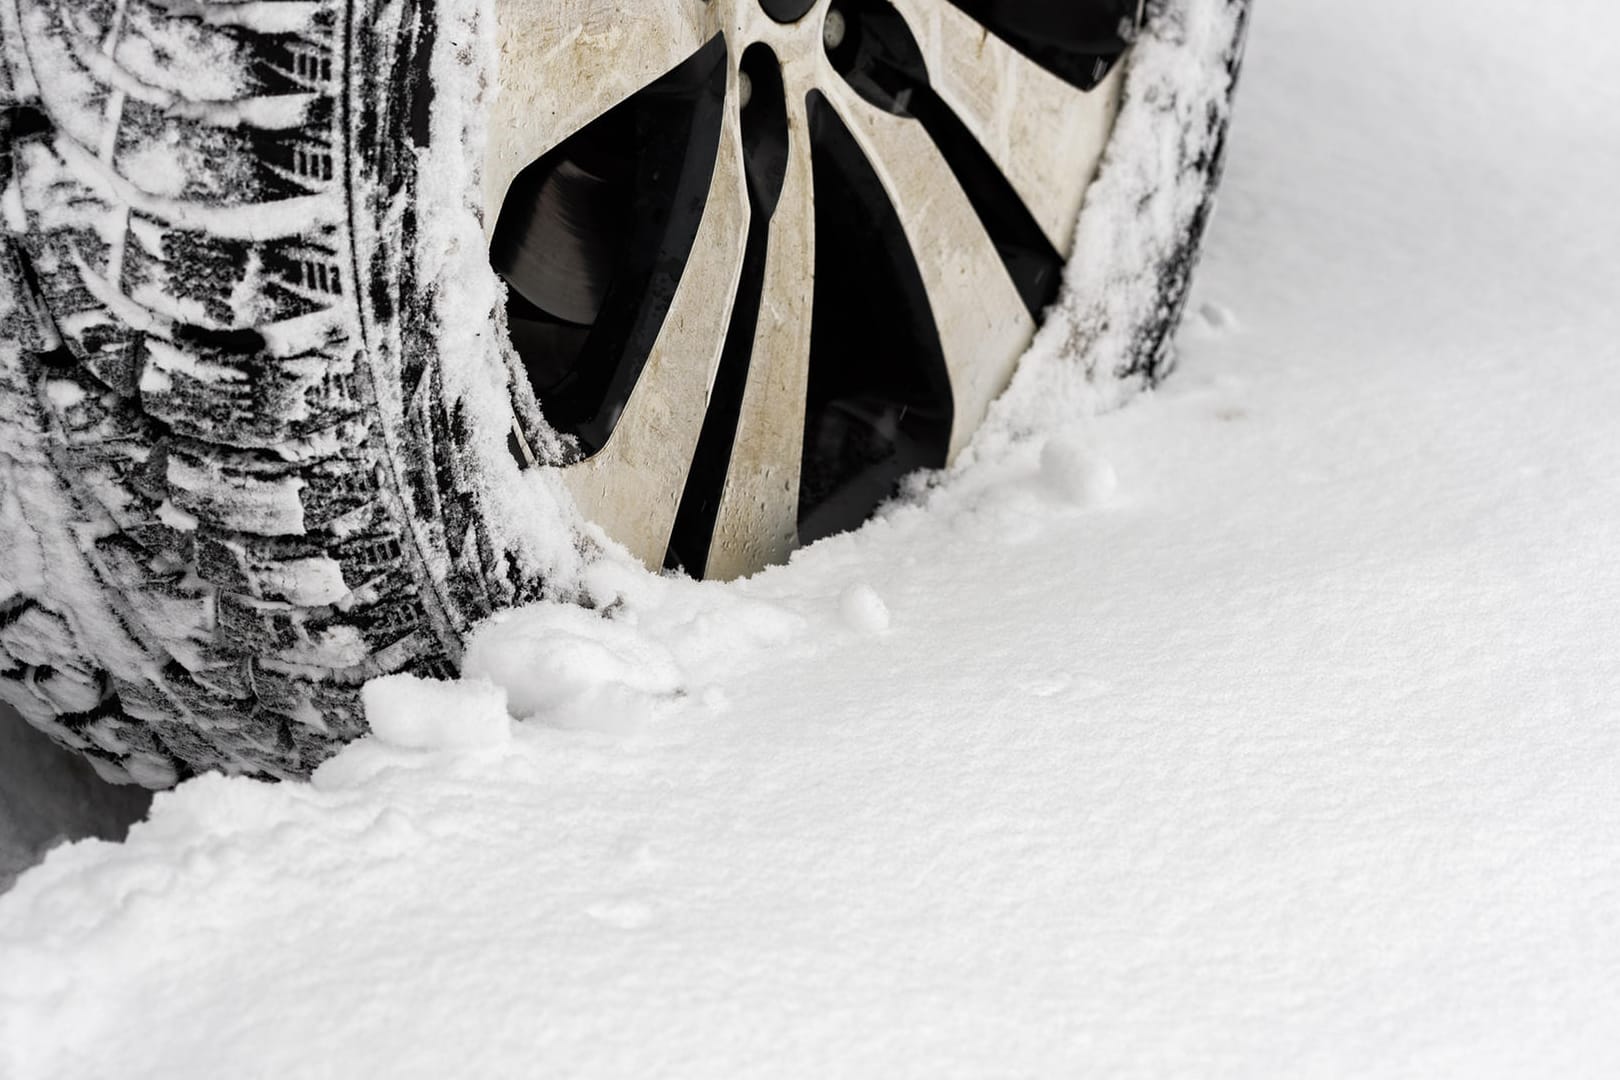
{"x": 565, "y": 62}
{"x": 632, "y": 487}
{"x": 757, "y": 522}
{"x": 1046, "y": 135}
{"x": 983, "y": 324}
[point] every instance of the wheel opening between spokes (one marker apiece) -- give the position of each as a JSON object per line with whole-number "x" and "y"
{"x": 1077, "y": 40}
{"x": 593, "y": 237}
{"x": 880, "y": 404}
{"x": 880, "y": 58}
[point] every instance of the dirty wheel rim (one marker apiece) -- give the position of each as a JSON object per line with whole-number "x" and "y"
{"x": 765, "y": 257}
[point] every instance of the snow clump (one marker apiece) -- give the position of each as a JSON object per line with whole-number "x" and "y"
{"x": 574, "y": 668}
{"x": 863, "y": 609}
{"x": 1072, "y": 469}
{"x": 423, "y": 714}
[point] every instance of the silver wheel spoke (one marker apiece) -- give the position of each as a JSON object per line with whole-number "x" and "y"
{"x": 983, "y": 324}
{"x": 632, "y": 487}
{"x": 757, "y": 523}
{"x": 566, "y": 62}
{"x": 1046, "y": 135}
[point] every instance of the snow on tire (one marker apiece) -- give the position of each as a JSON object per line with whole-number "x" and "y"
{"x": 195, "y": 402}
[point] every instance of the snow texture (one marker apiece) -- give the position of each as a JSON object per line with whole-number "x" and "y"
{"x": 423, "y": 714}
{"x": 1266, "y": 727}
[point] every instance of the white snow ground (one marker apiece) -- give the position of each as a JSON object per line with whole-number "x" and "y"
{"x": 1294, "y": 752}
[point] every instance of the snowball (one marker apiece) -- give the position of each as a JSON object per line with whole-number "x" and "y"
{"x": 863, "y": 609}
{"x": 425, "y": 714}
{"x": 1072, "y": 471}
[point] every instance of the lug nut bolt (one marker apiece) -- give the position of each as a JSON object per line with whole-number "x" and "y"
{"x": 834, "y": 30}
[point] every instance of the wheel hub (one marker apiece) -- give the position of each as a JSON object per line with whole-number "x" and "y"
{"x": 765, "y": 257}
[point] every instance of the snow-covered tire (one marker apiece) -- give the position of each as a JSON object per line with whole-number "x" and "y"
{"x": 239, "y": 475}
{"x": 211, "y": 539}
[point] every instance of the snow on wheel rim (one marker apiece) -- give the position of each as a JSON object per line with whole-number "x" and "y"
{"x": 765, "y": 257}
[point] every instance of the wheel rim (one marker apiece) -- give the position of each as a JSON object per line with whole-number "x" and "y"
{"x": 765, "y": 257}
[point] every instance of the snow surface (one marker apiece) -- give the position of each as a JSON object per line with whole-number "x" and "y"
{"x": 1265, "y": 727}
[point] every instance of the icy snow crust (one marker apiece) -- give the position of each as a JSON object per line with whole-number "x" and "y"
{"x": 1266, "y": 727}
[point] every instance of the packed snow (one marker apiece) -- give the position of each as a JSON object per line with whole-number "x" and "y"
{"x": 1266, "y": 726}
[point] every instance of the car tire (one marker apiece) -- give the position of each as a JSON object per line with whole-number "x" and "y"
{"x": 257, "y": 409}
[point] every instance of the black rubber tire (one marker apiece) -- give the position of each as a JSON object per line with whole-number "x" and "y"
{"x": 227, "y": 545}
{"x": 233, "y": 485}
{"x": 1151, "y": 355}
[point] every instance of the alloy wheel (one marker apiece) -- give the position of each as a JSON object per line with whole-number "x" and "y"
{"x": 766, "y": 257}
